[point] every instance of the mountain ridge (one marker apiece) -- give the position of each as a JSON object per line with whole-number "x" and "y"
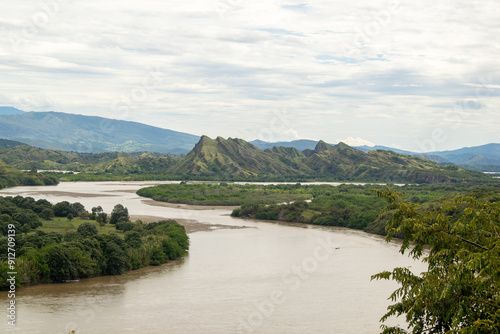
{"x": 94, "y": 134}
{"x": 238, "y": 158}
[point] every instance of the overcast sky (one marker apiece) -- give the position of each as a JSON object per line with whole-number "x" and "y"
{"x": 419, "y": 75}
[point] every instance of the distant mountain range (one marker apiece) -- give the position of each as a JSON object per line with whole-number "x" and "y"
{"x": 70, "y": 132}
{"x": 78, "y": 133}
{"x": 484, "y": 158}
{"x": 10, "y": 111}
{"x": 236, "y": 159}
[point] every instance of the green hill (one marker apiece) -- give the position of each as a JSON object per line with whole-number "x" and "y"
{"x": 11, "y": 177}
{"x": 69, "y": 132}
{"x": 5, "y": 143}
{"x": 233, "y": 158}
{"x": 230, "y": 158}
{"x": 26, "y": 157}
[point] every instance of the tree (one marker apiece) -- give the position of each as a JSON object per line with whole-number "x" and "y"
{"x": 133, "y": 239}
{"x": 97, "y": 210}
{"x": 119, "y": 213}
{"x": 59, "y": 262}
{"x": 460, "y": 292}
{"x": 87, "y": 229}
{"x": 102, "y": 218}
{"x": 47, "y": 214}
{"x": 77, "y": 209}
{"x": 62, "y": 209}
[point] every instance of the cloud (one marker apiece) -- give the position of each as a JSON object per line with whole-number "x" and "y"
{"x": 388, "y": 71}
{"x": 356, "y": 141}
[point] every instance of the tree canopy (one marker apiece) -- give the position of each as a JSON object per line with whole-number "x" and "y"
{"x": 460, "y": 242}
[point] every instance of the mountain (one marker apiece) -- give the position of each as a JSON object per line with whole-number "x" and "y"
{"x": 484, "y": 154}
{"x": 367, "y": 149}
{"x": 236, "y": 158}
{"x": 5, "y": 143}
{"x": 479, "y": 158}
{"x": 10, "y": 111}
{"x": 70, "y": 132}
{"x": 301, "y": 144}
{"x": 27, "y": 157}
{"x": 231, "y": 158}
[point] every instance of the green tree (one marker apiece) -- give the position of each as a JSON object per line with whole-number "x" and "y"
{"x": 87, "y": 229}
{"x": 97, "y": 210}
{"x": 62, "y": 209}
{"x": 47, "y": 214}
{"x": 133, "y": 239}
{"x": 102, "y": 218}
{"x": 59, "y": 262}
{"x": 77, "y": 209}
{"x": 119, "y": 213}
{"x": 460, "y": 291}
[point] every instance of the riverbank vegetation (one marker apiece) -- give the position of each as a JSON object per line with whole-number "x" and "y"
{"x": 11, "y": 177}
{"x": 346, "y": 205}
{"x": 60, "y": 242}
{"x": 354, "y": 206}
{"x": 460, "y": 292}
{"x": 223, "y": 193}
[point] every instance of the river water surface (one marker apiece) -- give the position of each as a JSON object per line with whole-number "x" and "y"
{"x": 265, "y": 278}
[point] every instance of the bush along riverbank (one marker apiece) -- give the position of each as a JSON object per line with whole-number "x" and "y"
{"x": 31, "y": 245}
{"x": 355, "y": 206}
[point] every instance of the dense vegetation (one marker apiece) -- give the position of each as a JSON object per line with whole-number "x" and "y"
{"x": 224, "y": 193}
{"x": 10, "y": 177}
{"x": 354, "y": 206}
{"x": 460, "y": 292}
{"x": 85, "y": 248}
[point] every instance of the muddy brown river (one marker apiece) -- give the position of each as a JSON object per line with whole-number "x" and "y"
{"x": 264, "y": 278}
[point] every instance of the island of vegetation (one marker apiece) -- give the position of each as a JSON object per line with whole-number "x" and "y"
{"x": 224, "y": 194}
{"x": 63, "y": 242}
{"x": 346, "y": 205}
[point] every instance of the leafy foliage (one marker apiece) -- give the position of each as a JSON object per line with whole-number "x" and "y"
{"x": 119, "y": 213}
{"x": 460, "y": 241}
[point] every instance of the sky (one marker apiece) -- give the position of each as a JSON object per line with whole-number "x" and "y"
{"x": 417, "y": 75}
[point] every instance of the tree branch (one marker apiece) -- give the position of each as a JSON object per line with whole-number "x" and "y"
{"x": 467, "y": 241}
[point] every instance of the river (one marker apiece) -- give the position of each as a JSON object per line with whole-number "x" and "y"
{"x": 264, "y": 278}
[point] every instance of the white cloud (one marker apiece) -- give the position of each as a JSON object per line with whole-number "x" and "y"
{"x": 356, "y": 141}
{"x": 381, "y": 70}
